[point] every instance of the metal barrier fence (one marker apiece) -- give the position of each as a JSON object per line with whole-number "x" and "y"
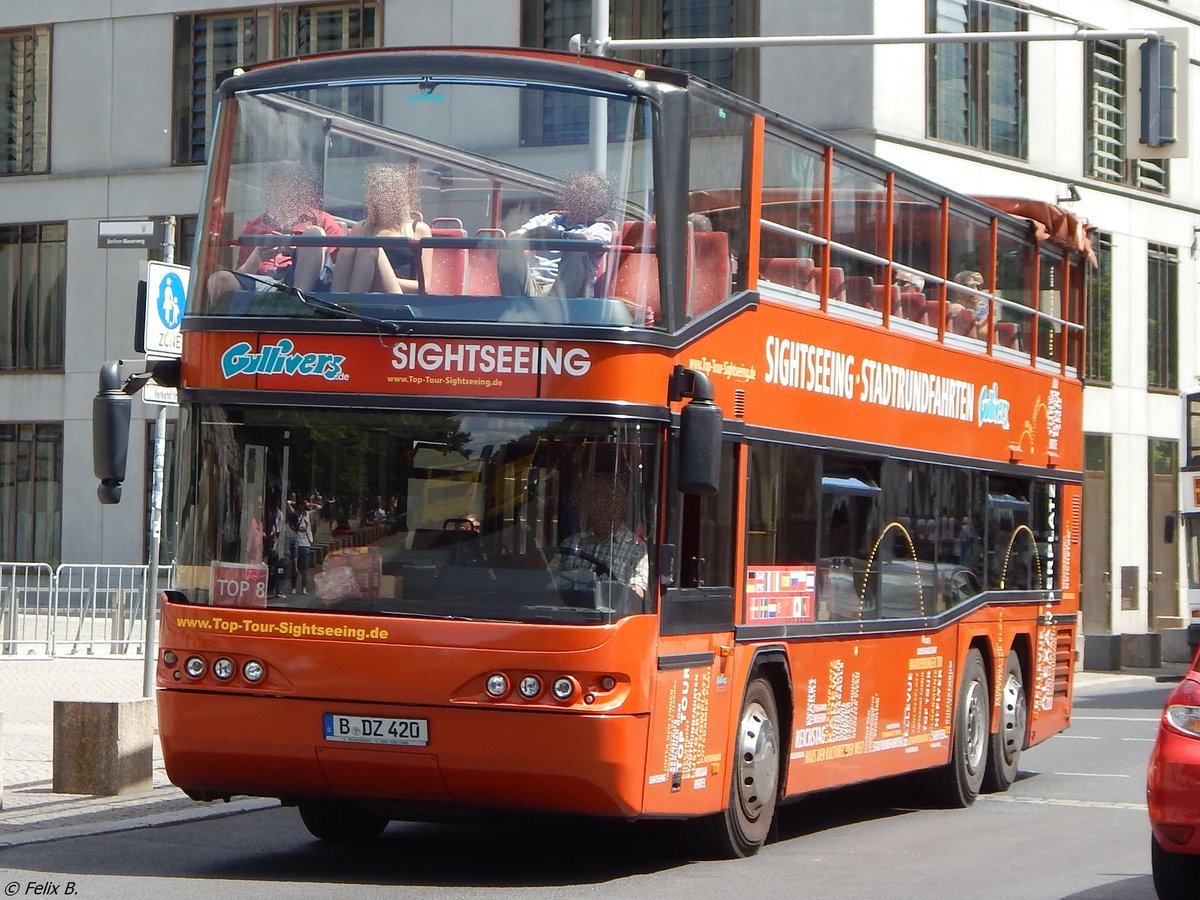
{"x": 76, "y": 609}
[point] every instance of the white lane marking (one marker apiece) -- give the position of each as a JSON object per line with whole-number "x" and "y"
{"x": 1114, "y": 719}
{"x": 1092, "y": 775}
{"x": 1052, "y": 801}
{"x": 1147, "y": 740}
{"x": 1081, "y": 737}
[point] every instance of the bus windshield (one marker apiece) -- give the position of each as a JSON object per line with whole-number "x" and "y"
{"x": 430, "y": 198}
{"x": 510, "y": 518}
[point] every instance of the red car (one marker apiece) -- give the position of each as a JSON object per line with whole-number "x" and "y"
{"x": 1173, "y": 788}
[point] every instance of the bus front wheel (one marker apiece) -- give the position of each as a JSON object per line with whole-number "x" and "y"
{"x": 742, "y": 828}
{"x": 957, "y": 783}
{"x": 340, "y": 821}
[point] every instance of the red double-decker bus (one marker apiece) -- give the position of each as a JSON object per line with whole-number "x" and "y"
{"x": 740, "y": 466}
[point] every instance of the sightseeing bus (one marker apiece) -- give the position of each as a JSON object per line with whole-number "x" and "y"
{"x": 1189, "y": 498}
{"x": 782, "y": 494}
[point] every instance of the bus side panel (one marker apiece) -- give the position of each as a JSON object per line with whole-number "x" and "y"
{"x": 869, "y": 707}
{"x": 687, "y": 769}
{"x": 1052, "y": 692}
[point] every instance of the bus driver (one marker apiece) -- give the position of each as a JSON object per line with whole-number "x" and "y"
{"x": 605, "y": 537}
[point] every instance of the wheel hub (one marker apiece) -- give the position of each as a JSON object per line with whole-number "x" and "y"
{"x": 757, "y": 761}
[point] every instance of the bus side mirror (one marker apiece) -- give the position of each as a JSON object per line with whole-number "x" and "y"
{"x": 111, "y": 409}
{"x": 700, "y": 425}
{"x": 1193, "y": 635}
{"x": 1169, "y": 529}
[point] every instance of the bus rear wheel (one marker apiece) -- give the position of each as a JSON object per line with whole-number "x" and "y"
{"x": 742, "y": 828}
{"x": 957, "y": 783}
{"x": 340, "y": 821}
{"x": 1005, "y": 750}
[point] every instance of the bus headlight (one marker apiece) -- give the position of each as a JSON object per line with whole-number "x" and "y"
{"x": 224, "y": 668}
{"x": 253, "y": 670}
{"x": 530, "y": 686}
{"x": 194, "y": 666}
{"x": 496, "y": 686}
{"x": 563, "y": 688}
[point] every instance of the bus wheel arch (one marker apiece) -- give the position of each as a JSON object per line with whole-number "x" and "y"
{"x": 1009, "y": 739}
{"x": 958, "y": 782}
{"x": 757, "y": 767}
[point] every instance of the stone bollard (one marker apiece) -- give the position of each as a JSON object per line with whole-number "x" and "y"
{"x": 1102, "y": 652}
{"x": 103, "y": 748}
{"x": 1175, "y": 647}
{"x": 1142, "y": 650}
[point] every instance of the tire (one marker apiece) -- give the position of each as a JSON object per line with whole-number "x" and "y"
{"x": 1004, "y": 750}
{"x": 1175, "y": 874}
{"x": 957, "y": 783}
{"x": 340, "y": 821}
{"x": 742, "y": 828}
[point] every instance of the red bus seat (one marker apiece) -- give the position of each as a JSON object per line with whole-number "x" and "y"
{"x": 636, "y": 281}
{"x": 860, "y": 290}
{"x": 795, "y": 273}
{"x": 447, "y": 265}
{"x": 837, "y": 279}
{"x": 1007, "y": 335}
{"x": 883, "y": 291}
{"x": 912, "y": 306}
{"x": 483, "y": 273}
{"x": 710, "y": 271}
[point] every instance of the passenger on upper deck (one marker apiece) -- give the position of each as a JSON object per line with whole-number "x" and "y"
{"x": 583, "y": 198}
{"x": 392, "y": 204}
{"x": 291, "y": 204}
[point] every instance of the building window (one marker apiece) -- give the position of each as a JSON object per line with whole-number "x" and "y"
{"x": 977, "y": 92}
{"x": 1162, "y": 309}
{"x": 550, "y": 24}
{"x": 209, "y": 46}
{"x": 1098, "y": 362}
{"x": 31, "y": 466}
{"x": 1107, "y": 112}
{"x": 25, "y": 86}
{"x": 33, "y": 266}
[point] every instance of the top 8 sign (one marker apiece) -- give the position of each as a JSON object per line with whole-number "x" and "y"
{"x": 166, "y": 299}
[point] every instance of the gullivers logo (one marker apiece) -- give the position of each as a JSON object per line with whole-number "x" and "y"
{"x": 280, "y": 359}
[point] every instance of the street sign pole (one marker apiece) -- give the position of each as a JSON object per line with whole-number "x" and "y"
{"x": 156, "y": 512}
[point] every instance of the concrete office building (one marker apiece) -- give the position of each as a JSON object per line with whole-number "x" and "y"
{"x": 107, "y": 106}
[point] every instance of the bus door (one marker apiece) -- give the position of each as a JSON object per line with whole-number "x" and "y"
{"x": 694, "y": 696}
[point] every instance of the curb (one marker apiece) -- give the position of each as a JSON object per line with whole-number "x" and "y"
{"x": 154, "y": 820}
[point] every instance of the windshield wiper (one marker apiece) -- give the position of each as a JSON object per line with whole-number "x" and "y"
{"x": 327, "y": 306}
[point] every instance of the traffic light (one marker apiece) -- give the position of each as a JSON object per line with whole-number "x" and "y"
{"x": 1156, "y": 95}
{"x": 1159, "y": 92}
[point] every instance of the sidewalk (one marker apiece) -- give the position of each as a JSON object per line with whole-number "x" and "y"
{"x": 30, "y": 811}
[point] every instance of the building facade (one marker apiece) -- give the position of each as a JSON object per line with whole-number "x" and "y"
{"x": 109, "y": 106}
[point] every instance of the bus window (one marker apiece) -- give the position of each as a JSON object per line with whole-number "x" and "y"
{"x": 1012, "y": 550}
{"x": 859, "y": 221}
{"x": 849, "y": 526}
{"x": 707, "y": 542}
{"x": 917, "y": 252}
{"x": 782, "y": 506}
{"x": 1050, "y": 303}
{"x": 793, "y": 185}
{"x": 1014, "y": 287}
{"x": 717, "y": 233}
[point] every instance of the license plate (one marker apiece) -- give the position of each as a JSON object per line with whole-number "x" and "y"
{"x": 376, "y": 730}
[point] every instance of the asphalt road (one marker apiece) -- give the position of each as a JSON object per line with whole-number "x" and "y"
{"x": 1073, "y": 826}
